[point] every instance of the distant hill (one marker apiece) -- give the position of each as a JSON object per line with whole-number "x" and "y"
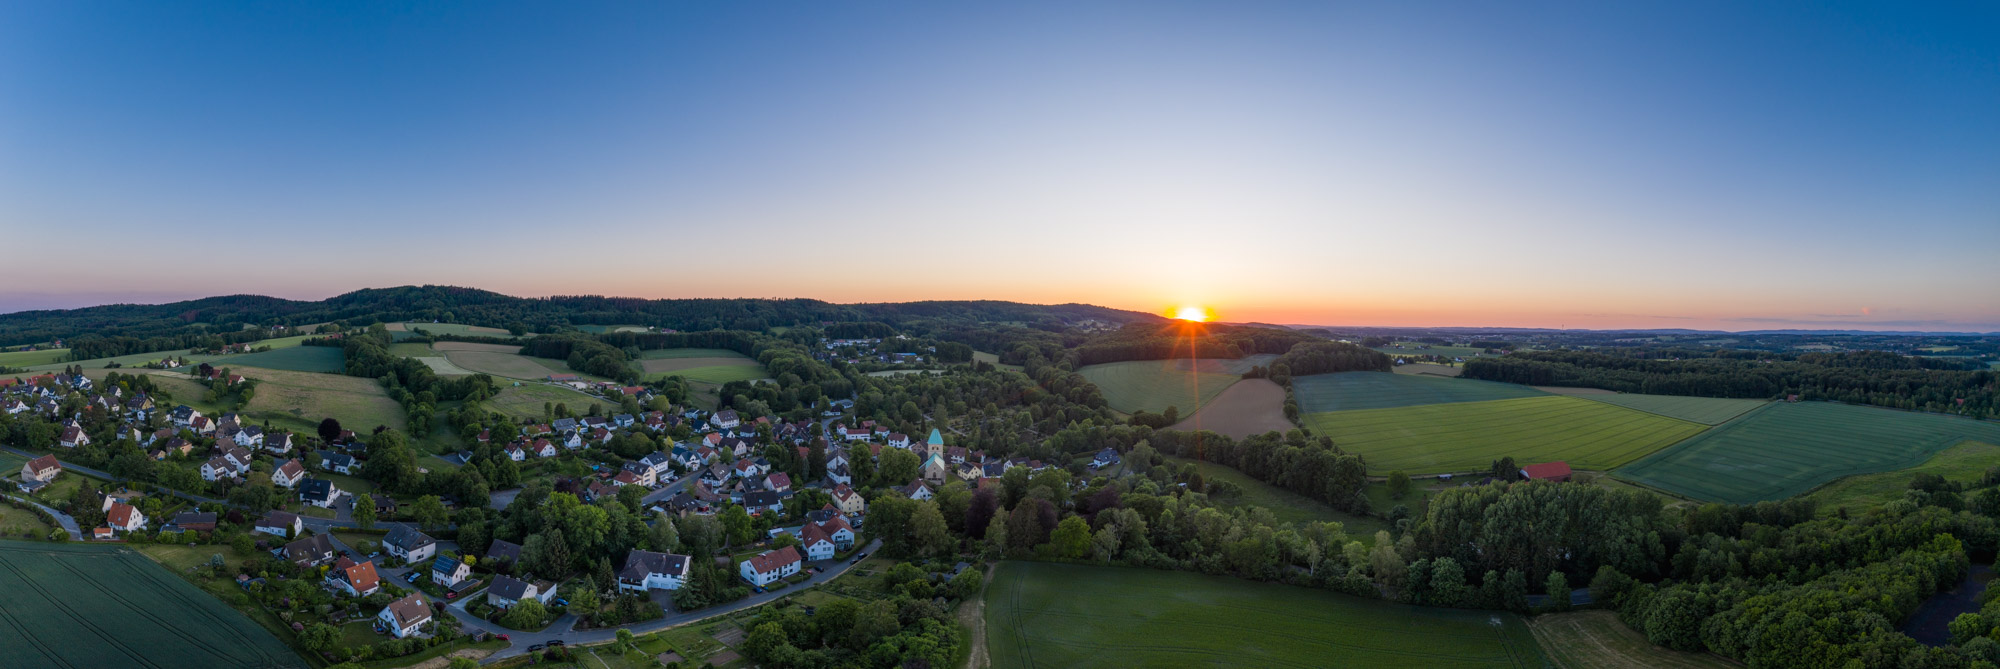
{"x": 471, "y": 306}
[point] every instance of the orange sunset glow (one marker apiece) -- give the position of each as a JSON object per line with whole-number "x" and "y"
{"x": 1193, "y": 313}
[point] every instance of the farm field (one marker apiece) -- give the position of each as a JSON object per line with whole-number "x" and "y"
{"x": 47, "y": 356}
{"x": 299, "y": 400}
{"x": 502, "y": 360}
{"x": 719, "y": 374}
{"x": 1786, "y": 449}
{"x": 1592, "y": 639}
{"x": 1428, "y": 369}
{"x": 118, "y": 609}
{"x": 1154, "y": 385}
{"x": 412, "y": 350}
{"x": 323, "y": 359}
{"x": 1058, "y": 615}
{"x": 677, "y": 353}
{"x": 1704, "y": 410}
{"x": 1964, "y": 463}
{"x": 450, "y": 329}
{"x": 1285, "y": 505}
{"x": 443, "y": 366}
{"x": 601, "y": 329}
{"x": 994, "y": 360}
{"x": 1252, "y": 406}
{"x": 1349, "y": 391}
{"x": 1465, "y": 436}
{"x": 1411, "y": 348}
{"x": 525, "y": 401}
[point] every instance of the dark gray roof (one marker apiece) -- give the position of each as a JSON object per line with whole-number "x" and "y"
{"x": 503, "y": 550}
{"x": 407, "y": 539}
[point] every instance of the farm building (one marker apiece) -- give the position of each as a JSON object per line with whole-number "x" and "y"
{"x": 1547, "y": 471}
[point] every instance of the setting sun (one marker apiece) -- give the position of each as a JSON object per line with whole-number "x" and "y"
{"x": 1192, "y": 313}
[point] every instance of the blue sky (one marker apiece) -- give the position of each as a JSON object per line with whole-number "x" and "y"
{"x": 1704, "y": 164}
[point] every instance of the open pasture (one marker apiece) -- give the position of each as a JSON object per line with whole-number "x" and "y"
{"x": 1786, "y": 449}
{"x": 323, "y": 359}
{"x": 526, "y": 400}
{"x": 677, "y": 353}
{"x": 509, "y": 364}
{"x": 443, "y": 366}
{"x": 670, "y": 365}
{"x": 1465, "y": 436}
{"x": 1964, "y": 463}
{"x": 299, "y": 400}
{"x": 453, "y": 329}
{"x": 994, "y": 360}
{"x": 1154, "y": 385}
{"x": 1252, "y": 406}
{"x": 1428, "y": 369}
{"x": 1227, "y": 366}
{"x": 1593, "y": 639}
{"x": 1350, "y": 391}
{"x": 720, "y": 374}
{"x": 47, "y": 356}
{"x": 1704, "y": 410}
{"x": 1060, "y": 615}
{"x": 108, "y": 606}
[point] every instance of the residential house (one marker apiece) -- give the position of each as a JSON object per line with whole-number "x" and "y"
{"x": 250, "y": 437}
{"x": 319, "y": 492}
{"x": 725, "y": 419}
{"x": 516, "y": 452}
{"x": 542, "y": 448}
{"x": 183, "y": 415}
{"x": 217, "y": 468}
{"x": 502, "y": 550}
{"x": 848, "y": 501}
{"x": 43, "y": 469}
{"x": 642, "y": 472}
{"x": 1547, "y": 471}
{"x": 1104, "y": 458}
{"x": 917, "y": 490}
{"x": 840, "y": 475}
{"x": 311, "y": 551}
{"x": 124, "y": 517}
{"x": 193, "y": 521}
{"x": 338, "y": 463}
{"x": 358, "y": 579}
{"x": 280, "y": 524}
{"x": 409, "y": 545}
{"x": 899, "y": 440}
{"x": 506, "y": 591}
{"x": 817, "y": 543}
{"x": 647, "y": 570}
{"x": 769, "y": 566}
{"x": 73, "y": 437}
{"x": 402, "y": 618}
{"x": 659, "y": 463}
{"x": 450, "y": 571}
{"x": 289, "y": 474}
{"x": 779, "y": 482}
{"x": 763, "y": 501}
{"x": 856, "y": 433}
{"x": 747, "y": 468}
{"x": 278, "y": 442}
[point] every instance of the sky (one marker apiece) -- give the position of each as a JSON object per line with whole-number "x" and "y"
{"x": 1720, "y": 165}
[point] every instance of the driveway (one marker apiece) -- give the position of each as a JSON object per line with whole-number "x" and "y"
{"x": 68, "y": 523}
{"x": 563, "y": 628}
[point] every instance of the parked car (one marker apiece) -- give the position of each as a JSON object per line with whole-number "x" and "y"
{"x": 534, "y": 648}
{"x": 451, "y": 595}
{"x": 562, "y": 602}
{"x": 504, "y": 637}
{"x": 557, "y": 642}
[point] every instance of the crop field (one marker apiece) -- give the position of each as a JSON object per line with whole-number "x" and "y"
{"x": 45, "y": 356}
{"x": 1228, "y": 366}
{"x": 671, "y": 365}
{"x": 525, "y": 401}
{"x": 1252, "y": 406}
{"x": 1349, "y": 391}
{"x": 499, "y": 360}
{"x": 115, "y": 608}
{"x": 1964, "y": 463}
{"x": 1154, "y": 385}
{"x": 451, "y": 329}
{"x": 677, "y": 353}
{"x": 1411, "y": 348}
{"x": 1466, "y": 436}
{"x": 1786, "y": 449}
{"x": 720, "y": 374}
{"x": 1059, "y": 615}
{"x": 324, "y": 359}
{"x": 443, "y": 366}
{"x": 1286, "y": 506}
{"x": 1428, "y": 369}
{"x": 1592, "y": 639}
{"x": 601, "y": 329}
{"x": 1704, "y": 410}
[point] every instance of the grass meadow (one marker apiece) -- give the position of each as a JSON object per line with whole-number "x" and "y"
{"x": 1351, "y": 391}
{"x": 73, "y": 605}
{"x": 1064, "y": 615}
{"x": 1593, "y": 639}
{"x": 1252, "y": 406}
{"x": 1286, "y": 506}
{"x": 323, "y": 359}
{"x": 706, "y": 365}
{"x": 1964, "y": 463}
{"x": 47, "y": 356}
{"x": 1787, "y": 449}
{"x": 1154, "y": 385}
{"x": 299, "y": 400}
{"x": 1465, "y": 436}
{"x": 525, "y": 401}
{"x": 678, "y": 353}
{"x": 453, "y": 329}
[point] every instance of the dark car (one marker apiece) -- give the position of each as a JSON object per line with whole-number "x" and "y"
{"x": 556, "y": 642}
{"x": 534, "y": 648}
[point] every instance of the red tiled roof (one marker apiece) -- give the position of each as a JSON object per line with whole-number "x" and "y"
{"x": 772, "y": 561}
{"x": 1546, "y": 470}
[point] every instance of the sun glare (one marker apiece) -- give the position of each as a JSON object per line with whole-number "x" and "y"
{"x": 1192, "y": 313}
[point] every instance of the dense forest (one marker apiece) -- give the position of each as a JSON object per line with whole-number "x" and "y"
{"x": 232, "y": 314}
{"x": 1881, "y": 379}
{"x": 1152, "y": 341}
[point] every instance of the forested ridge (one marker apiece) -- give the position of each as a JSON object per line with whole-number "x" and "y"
{"x": 1881, "y": 379}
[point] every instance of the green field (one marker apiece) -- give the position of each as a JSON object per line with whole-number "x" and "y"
{"x": 324, "y": 359}
{"x": 1595, "y": 639}
{"x": 73, "y": 605}
{"x": 1704, "y": 410}
{"x": 298, "y": 401}
{"x": 1410, "y": 348}
{"x": 1786, "y": 449}
{"x": 1349, "y": 391}
{"x": 525, "y": 401}
{"x": 453, "y": 329}
{"x": 673, "y": 353}
{"x": 1154, "y": 385}
{"x": 1060, "y": 615}
{"x": 720, "y": 373}
{"x": 1286, "y": 506}
{"x": 1468, "y": 436}
{"x": 1964, "y": 463}
{"x": 45, "y": 356}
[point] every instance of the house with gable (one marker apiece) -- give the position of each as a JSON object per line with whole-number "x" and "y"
{"x": 647, "y": 570}
{"x": 403, "y": 617}
{"x": 409, "y": 545}
{"x": 770, "y": 566}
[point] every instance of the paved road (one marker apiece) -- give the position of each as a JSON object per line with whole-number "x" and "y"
{"x": 564, "y": 627}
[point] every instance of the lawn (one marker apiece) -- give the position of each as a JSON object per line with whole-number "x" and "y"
{"x": 1059, "y": 615}
{"x": 324, "y": 359}
{"x": 74, "y": 605}
{"x": 1704, "y": 410}
{"x": 1285, "y": 505}
{"x": 1592, "y": 639}
{"x": 1154, "y": 385}
{"x": 526, "y": 400}
{"x": 1964, "y": 463}
{"x": 1351, "y": 391}
{"x": 1789, "y": 448}
{"x": 1468, "y": 436}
